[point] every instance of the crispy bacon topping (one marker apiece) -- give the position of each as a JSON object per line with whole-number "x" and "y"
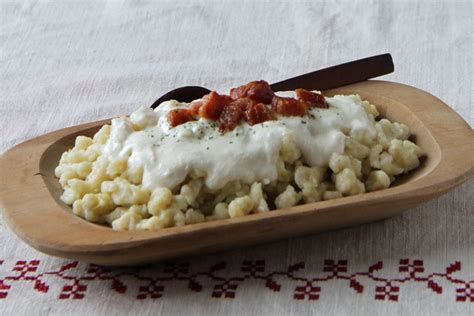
{"x": 244, "y": 103}
{"x": 258, "y": 113}
{"x": 194, "y": 107}
{"x": 179, "y": 116}
{"x": 259, "y": 91}
{"x": 213, "y": 104}
{"x": 254, "y": 102}
{"x": 288, "y": 106}
{"x": 311, "y": 99}
{"x": 230, "y": 116}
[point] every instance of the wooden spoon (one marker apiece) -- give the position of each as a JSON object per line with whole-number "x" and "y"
{"x": 29, "y": 192}
{"x": 327, "y": 78}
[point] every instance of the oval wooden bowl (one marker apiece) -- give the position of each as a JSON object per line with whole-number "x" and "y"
{"x": 29, "y": 192}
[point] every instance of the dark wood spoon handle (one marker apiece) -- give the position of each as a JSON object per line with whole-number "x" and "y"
{"x": 332, "y": 77}
{"x": 340, "y": 75}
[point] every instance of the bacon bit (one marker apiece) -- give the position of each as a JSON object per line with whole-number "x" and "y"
{"x": 258, "y": 113}
{"x": 311, "y": 99}
{"x": 213, "y": 104}
{"x": 230, "y": 116}
{"x": 194, "y": 107}
{"x": 179, "y": 116}
{"x": 259, "y": 91}
{"x": 250, "y": 102}
{"x": 244, "y": 103}
{"x": 288, "y": 106}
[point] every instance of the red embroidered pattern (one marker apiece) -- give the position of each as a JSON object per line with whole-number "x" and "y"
{"x": 305, "y": 288}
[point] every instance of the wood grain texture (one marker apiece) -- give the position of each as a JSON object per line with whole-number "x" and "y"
{"x": 30, "y": 194}
{"x": 66, "y": 63}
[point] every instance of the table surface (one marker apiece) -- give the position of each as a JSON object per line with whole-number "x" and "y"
{"x": 64, "y": 63}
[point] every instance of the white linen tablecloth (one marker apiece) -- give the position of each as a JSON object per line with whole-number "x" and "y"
{"x": 69, "y": 62}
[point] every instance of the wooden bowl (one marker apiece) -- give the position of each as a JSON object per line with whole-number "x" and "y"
{"x": 29, "y": 192}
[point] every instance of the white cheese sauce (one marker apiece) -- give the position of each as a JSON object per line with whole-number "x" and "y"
{"x": 248, "y": 153}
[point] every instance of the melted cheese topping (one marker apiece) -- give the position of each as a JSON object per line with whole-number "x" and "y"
{"x": 248, "y": 153}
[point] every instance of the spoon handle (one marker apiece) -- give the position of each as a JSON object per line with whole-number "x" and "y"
{"x": 339, "y": 75}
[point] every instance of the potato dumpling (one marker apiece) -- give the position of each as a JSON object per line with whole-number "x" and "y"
{"x": 112, "y": 189}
